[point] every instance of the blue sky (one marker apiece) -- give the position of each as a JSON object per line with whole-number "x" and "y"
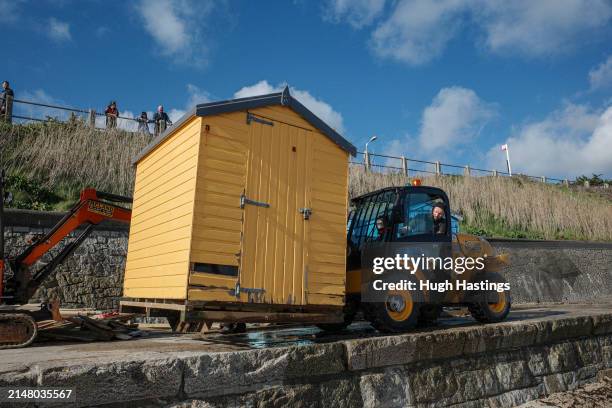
{"x": 450, "y": 80}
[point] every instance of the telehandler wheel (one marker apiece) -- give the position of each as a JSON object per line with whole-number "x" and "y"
{"x": 486, "y": 312}
{"x": 398, "y": 313}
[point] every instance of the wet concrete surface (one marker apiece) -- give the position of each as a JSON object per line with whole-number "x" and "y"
{"x": 157, "y": 343}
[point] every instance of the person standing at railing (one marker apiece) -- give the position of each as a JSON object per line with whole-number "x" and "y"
{"x": 143, "y": 123}
{"x": 111, "y": 113}
{"x": 6, "y": 102}
{"x": 161, "y": 120}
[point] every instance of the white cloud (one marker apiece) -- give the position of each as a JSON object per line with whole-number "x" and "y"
{"x": 195, "y": 96}
{"x": 417, "y": 31}
{"x": 358, "y": 13}
{"x": 320, "y": 108}
{"x": 540, "y": 28}
{"x": 175, "y": 26}
{"x": 569, "y": 142}
{"x": 58, "y": 31}
{"x": 600, "y": 77}
{"x": 455, "y": 117}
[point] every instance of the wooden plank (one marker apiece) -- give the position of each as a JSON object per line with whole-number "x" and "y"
{"x": 323, "y": 299}
{"x": 167, "y": 146}
{"x": 213, "y": 257}
{"x": 325, "y": 278}
{"x": 215, "y": 246}
{"x": 174, "y": 194}
{"x": 178, "y": 173}
{"x": 326, "y": 288}
{"x": 176, "y": 245}
{"x": 211, "y": 294}
{"x": 165, "y": 222}
{"x": 212, "y": 280}
{"x": 175, "y": 261}
{"x": 161, "y": 238}
{"x": 173, "y": 292}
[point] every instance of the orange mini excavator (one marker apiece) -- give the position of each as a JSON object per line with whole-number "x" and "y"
{"x": 18, "y": 327}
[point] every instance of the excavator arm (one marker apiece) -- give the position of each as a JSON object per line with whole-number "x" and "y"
{"x": 92, "y": 208}
{"x": 18, "y": 328}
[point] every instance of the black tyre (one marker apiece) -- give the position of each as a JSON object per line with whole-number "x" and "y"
{"x": 397, "y": 311}
{"x": 491, "y": 306}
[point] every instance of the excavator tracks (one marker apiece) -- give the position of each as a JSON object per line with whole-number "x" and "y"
{"x": 16, "y": 330}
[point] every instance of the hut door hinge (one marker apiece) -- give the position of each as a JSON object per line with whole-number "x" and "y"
{"x": 253, "y": 118}
{"x": 244, "y": 201}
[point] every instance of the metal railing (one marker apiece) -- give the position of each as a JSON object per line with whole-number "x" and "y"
{"x": 414, "y": 168}
{"x": 400, "y": 164}
{"x": 46, "y": 112}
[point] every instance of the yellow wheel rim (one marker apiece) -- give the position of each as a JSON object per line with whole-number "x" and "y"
{"x": 399, "y": 305}
{"x": 500, "y": 305}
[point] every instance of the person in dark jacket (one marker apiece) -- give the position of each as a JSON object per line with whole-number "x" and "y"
{"x": 161, "y": 120}
{"x": 143, "y": 123}
{"x": 439, "y": 219}
{"x": 112, "y": 113}
{"x": 6, "y": 102}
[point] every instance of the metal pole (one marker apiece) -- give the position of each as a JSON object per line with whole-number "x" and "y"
{"x": 467, "y": 171}
{"x": 92, "y": 118}
{"x": 405, "y": 166}
{"x": 438, "y": 167}
{"x": 508, "y": 160}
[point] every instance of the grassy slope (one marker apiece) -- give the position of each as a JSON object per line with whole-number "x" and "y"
{"x": 48, "y": 164}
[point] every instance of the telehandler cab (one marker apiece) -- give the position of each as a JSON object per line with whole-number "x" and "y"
{"x": 398, "y": 220}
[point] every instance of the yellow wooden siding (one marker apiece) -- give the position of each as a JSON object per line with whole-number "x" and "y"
{"x": 275, "y": 241}
{"x": 327, "y": 259}
{"x": 217, "y": 214}
{"x": 279, "y": 265}
{"x": 157, "y": 263}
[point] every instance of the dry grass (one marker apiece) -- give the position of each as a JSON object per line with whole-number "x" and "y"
{"x": 511, "y": 207}
{"x": 68, "y": 157}
{"x": 72, "y": 155}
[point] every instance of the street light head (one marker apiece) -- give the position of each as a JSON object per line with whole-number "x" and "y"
{"x": 373, "y": 138}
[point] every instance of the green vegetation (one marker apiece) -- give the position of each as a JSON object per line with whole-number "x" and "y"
{"x": 48, "y": 164}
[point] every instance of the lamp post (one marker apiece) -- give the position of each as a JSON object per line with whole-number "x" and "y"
{"x": 366, "y": 156}
{"x": 507, "y": 150}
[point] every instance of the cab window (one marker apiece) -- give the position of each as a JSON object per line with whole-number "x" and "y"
{"x": 418, "y": 219}
{"x": 363, "y": 221}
